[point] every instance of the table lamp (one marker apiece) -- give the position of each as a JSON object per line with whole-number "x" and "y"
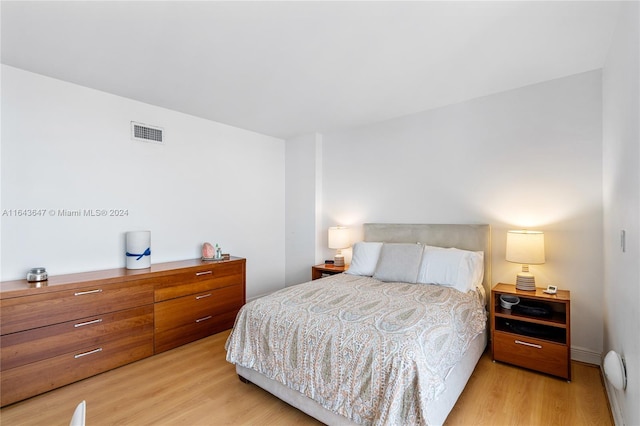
{"x": 339, "y": 239}
{"x": 526, "y": 248}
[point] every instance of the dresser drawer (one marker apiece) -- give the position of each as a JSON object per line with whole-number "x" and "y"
{"x": 536, "y": 354}
{"x": 38, "y": 377}
{"x": 215, "y": 276}
{"x": 24, "y": 313}
{"x": 186, "y": 333}
{"x": 196, "y": 308}
{"x": 45, "y": 342}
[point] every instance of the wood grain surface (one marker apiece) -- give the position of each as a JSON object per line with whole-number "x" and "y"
{"x": 194, "y": 385}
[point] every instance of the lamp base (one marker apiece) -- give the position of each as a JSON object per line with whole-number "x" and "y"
{"x": 526, "y": 282}
{"x": 338, "y": 260}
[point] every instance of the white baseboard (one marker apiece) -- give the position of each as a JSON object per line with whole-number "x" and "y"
{"x": 585, "y": 355}
{"x": 612, "y": 395}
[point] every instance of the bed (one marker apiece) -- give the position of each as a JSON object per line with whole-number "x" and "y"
{"x": 381, "y": 344}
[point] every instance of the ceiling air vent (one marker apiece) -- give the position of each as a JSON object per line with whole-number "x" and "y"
{"x": 146, "y": 133}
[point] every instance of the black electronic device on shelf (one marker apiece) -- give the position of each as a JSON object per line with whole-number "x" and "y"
{"x": 532, "y": 308}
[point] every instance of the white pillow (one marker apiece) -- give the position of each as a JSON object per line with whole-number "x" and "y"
{"x": 365, "y": 258}
{"x": 399, "y": 262}
{"x": 452, "y": 267}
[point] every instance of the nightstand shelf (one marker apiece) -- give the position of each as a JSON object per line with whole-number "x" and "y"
{"x": 541, "y": 343}
{"x": 556, "y": 320}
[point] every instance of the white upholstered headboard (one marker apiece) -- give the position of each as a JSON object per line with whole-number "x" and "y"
{"x": 462, "y": 236}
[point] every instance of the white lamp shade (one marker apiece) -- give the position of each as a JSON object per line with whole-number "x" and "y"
{"x": 525, "y": 247}
{"x": 339, "y": 237}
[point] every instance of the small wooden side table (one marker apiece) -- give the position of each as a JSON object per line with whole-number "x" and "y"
{"x": 318, "y": 271}
{"x": 541, "y": 343}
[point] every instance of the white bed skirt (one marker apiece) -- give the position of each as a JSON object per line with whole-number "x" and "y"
{"x": 437, "y": 410}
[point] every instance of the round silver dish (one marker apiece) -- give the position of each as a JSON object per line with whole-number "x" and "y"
{"x": 37, "y": 275}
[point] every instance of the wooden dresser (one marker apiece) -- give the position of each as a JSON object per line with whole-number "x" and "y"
{"x": 198, "y": 302}
{"x": 79, "y": 325}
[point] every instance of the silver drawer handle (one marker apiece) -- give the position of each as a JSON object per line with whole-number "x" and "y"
{"x": 204, "y": 319}
{"x": 203, "y": 273}
{"x": 88, "y": 353}
{"x": 82, "y": 324}
{"x": 203, "y": 296}
{"x": 533, "y": 345}
{"x": 81, "y": 293}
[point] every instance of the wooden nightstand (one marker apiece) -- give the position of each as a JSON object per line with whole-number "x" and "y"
{"x": 318, "y": 271}
{"x": 530, "y": 340}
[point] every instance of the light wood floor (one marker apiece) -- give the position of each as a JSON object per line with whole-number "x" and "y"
{"x": 193, "y": 385}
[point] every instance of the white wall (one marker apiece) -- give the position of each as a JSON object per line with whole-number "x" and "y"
{"x": 621, "y": 169}
{"x": 68, "y": 147}
{"x": 303, "y": 206}
{"x": 526, "y": 158}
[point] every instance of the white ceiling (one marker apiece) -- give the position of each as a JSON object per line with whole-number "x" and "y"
{"x": 289, "y": 68}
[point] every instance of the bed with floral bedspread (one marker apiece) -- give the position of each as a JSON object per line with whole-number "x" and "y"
{"x": 374, "y": 352}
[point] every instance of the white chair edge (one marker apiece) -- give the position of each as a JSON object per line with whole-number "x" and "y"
{"x": 79, "y": 415}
